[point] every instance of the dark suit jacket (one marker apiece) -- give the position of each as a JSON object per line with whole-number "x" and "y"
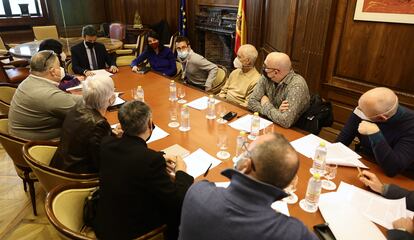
{"x": 395, "y": 234}
{"x": 82, "y": 133}
{"x": 80, "y": 61}
{"x": 137, "y": 195}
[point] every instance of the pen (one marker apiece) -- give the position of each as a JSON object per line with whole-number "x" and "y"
{"x": 205, "y": 174}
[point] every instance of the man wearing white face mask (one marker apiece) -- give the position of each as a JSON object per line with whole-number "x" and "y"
{"x": 39, "y": 107}
{"x": 197, "y": 70}
{"x": 243, "y": 79}
{"x": 385, "y": 131}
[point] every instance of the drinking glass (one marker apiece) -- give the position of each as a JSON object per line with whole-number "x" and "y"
{"x": 222, "y": 110}
{"x": 268, "y": 129}
{"x": 134, "y": 94}
{"x": 330, "y": 173}
{"x": 291, "y": 189}
{"x": 181, "y": 95}
{"x": 173, "y": 112}
{"x": 222, "y": 144}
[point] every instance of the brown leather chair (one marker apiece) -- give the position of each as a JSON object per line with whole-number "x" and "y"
{"x": 13, "y": 146}
{"x": 13, "y": 71}
{"x": 124, "y": 57}
{"x": 6, "y": 94}
{"x": 39, "y": 154}
{"x": 64, "y": 209}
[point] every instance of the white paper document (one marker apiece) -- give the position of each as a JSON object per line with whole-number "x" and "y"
{"x": 373, "y": 206}
{"x": 244, "y": 123}
{"x": 199, "y": 161}
{"x": 157, "y": 134}
{"x": 118, "y": 100}
{"x": 80, "y": 86}
{"x": 222, "y": 184}
{"x": 101, "y": 72}
{"x": 280, "y": 206}
{"x": 201, "y": 103}
{"x": 338, "y": 153}
{"x": 345, "y": 221}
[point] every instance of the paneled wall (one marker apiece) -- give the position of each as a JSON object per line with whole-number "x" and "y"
{"x": 340, "y": 58}
{"x": 150, "y": 11}
{"x": 363, "y": 55}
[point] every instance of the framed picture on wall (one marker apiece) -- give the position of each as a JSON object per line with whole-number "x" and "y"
{"x": 396, "y": 11}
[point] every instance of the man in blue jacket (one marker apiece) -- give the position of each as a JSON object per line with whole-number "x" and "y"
{"x": 242, "y": 211}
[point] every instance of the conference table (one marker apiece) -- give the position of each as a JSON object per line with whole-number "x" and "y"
{"x": 28, "y": 49}
{"x": 203, "y": 134}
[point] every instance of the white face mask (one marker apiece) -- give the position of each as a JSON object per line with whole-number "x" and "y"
{"x": 182, "y": 54}
{"x": 360, "y": 114}
{"x": 62, "y": 73}
{"x": 63, "y": 56}
{"x": 237, "y": 63}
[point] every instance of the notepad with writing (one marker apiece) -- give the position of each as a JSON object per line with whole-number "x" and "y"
{"x": 176, "y": 150}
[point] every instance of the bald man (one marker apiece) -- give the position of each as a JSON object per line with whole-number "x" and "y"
{"x": 241, "y": 82}
{"x": 242, "y": 210}
{"x": 385, "y": 130}
{"x": 281, "y": 94}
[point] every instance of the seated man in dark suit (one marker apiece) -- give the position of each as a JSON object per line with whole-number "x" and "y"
{"x": 91, "y": 55}
{"x": 137, "y": 193}
{"x": 243, "y": 211}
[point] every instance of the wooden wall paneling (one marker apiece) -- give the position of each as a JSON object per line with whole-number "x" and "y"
{"x": 116, "y": 11}
{"x": 363, "y": 55}
{"x": 172, "y": 15}
{"x": 225, "y": 3}
{"x": 254, "y": 20}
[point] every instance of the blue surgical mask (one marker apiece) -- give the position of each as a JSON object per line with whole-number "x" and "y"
{"x": 182, "y": 54}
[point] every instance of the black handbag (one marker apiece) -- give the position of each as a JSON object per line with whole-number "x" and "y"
{"x": 318, "y": 115}
{"x": 90, "y": 207}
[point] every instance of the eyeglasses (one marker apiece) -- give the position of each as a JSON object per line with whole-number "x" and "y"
{"x": 267, "y": 69}
{"x": 48, "y": 57}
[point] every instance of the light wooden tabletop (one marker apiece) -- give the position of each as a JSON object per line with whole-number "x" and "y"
{"x": 203, "y": 134}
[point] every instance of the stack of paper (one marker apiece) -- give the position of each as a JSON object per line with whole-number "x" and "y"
{"x": 354, "y": 208}
{"x": 176, "y": 150}
{"x": 337, "y": 152}
{"x": 101, "y": 73}
{"x": 244, "y": 123}
{"x": 201, "y": 103}
{"x": 373, "y": 206}
{"x": 345, "y": 221}
{"x": 118, "y": 100}
{"x": 199, "y": 161}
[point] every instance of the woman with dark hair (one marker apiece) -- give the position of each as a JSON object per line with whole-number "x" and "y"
{"x": 160, "y": 58}
{"x": 68, "y": 81}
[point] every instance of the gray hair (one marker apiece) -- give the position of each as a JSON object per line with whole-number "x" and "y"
{"x": 273, "y": 161}
{"x": 89, "y": 30}
{"x": 250, "y": 52}
{"x": 133, "y": 117}
{"x": 97, "y": 91}
{"x": 43, "y": 61}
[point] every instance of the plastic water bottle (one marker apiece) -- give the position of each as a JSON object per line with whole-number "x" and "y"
{"x": 319, "y": 160}
{"x": 173, "y": 91}
{"x": 310, "y": 203}
{"x": 255, "y": 127}
{"x": 185, "y": 119}
{"x": 140, "y": 94}
{"x": 240, "y": 141}
{"x": 211, "y": 112}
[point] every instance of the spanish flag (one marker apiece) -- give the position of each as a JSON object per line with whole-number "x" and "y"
{"x": 241, "y": 29}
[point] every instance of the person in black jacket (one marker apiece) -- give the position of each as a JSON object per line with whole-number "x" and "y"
{"x": 137, "y": 192}
{"x": 91, "y": 55}
{"x": 403, "y": 227}
{"x": 84, "y": 127}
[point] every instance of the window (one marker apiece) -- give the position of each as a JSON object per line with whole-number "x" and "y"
{"x": 11, "y": 8}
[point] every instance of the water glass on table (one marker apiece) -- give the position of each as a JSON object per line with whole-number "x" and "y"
{"x": 222, "y": 110}
{"x": 330, "y": 174}
{"x": 181, "y": 94}
{"x": 291, "y": 189}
